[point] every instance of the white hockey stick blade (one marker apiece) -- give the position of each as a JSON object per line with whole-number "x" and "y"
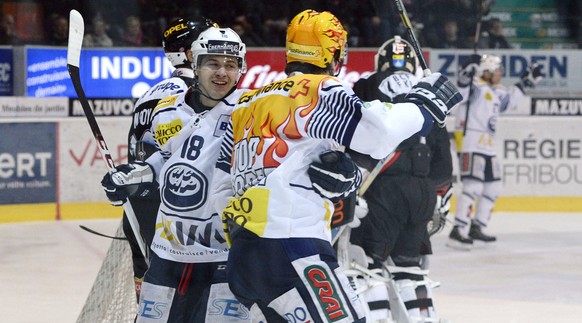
{"x": 76, "y": 32}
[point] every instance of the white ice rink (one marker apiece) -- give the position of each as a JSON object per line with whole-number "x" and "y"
{"x": 533, "y": 274}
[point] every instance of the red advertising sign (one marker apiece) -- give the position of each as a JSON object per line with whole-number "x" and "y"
{"x": 266, "y": 66}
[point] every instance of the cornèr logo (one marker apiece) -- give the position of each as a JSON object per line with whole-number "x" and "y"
{"x": 223, "y": 47}
{"x": 326, "y": 292}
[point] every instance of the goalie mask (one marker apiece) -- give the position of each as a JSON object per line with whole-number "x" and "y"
{"x": 396, "y": 54}
{"x": 219, "y": 41}
{"x": 178, "y": 38}
{"x": 316, "y": 38}
{"x": 490, "y": 63}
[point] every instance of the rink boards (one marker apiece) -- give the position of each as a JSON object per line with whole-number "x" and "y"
{"x": 53, "y": 169}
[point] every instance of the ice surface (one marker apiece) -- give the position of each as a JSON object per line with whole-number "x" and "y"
{"x": 532, "y": 274}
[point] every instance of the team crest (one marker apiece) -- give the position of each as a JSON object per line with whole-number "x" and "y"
{"x": 185, "y": 188}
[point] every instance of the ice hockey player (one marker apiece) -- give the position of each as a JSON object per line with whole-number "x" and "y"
{"x": 187, "y": 244}
{"x": 402, "y": 198}
{"x": 273, "y": 214}
{"x": 176, "y": 41}
{"x": 475, "y": 125}
{"x": 188, "y": 248}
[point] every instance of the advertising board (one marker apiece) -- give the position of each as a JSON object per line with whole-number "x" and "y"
{"x": 28, "y": 163}
{"x": 6, "y": 71}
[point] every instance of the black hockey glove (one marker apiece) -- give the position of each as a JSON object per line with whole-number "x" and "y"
{"x": 349, "y": 211}
{"x": 136, "y": 179}
{"x": 468, "y": 69}
{"x": 336, "y": 176}
{"x": 437, "y": 95}
{"x": 531, "y": 76}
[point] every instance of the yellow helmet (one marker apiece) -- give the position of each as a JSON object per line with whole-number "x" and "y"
{"x": 315, "y": 37}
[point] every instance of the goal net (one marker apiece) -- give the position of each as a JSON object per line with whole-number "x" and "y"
{"x": 112, "y": 297}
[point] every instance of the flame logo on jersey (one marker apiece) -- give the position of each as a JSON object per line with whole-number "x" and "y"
{"x": 274, "y": 128}
{"x": 268, "y": 125}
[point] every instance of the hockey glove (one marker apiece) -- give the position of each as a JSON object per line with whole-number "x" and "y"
{"x": 349, "y": 211}
{"x": 336, "y": 176}
{"x": 437, "y": 95}
{"x": 360, "y": 213}
{"x": 468, "y": 70}
{"x": 531, "y": 76}
{"x": 136, "y": 179}
{"x": 442, "y": 209}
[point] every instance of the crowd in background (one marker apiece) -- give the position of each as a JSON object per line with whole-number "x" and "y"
{"x": 262, "y": 23}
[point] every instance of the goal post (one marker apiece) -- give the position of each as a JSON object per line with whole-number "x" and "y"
{"x": 112, "y": 298}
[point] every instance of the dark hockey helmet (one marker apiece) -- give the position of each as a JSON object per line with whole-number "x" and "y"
{"x": 178, "y": 38}
{"x": 396, "y": 54}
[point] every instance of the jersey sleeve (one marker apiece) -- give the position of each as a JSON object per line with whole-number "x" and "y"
{"x": 396, "y": 85}
{"x": 360, "y": 125}
{"x": 222, "y": 185}
{"x": 509, "y": 97}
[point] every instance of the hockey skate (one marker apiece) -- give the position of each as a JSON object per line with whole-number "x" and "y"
{"x": 476, "y": 233}
{"x": 457, "y": 241}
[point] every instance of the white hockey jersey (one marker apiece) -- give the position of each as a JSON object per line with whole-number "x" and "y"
{"x": 188, "y": 229}
{"x": 143, "y": 110}
{"x": 485, "y": 106}
{"x": 277, "y": 131}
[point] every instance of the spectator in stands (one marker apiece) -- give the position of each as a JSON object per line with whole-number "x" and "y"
{"x": 448, "y": 36}
{"x": 8, "y": 30}
{"x": 98, "y": 37}
{"x": 492, "y": 36}
{"x": 275, "y": 29}
{"x": 58, "y": 30}
{"x": 245, "y": 30}
{"x": 132, "y": 34}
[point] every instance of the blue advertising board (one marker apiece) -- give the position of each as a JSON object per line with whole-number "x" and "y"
{"x": 28, "y": 163}
{"x": 6, "y": 71}
{"x": 105, "y": 73}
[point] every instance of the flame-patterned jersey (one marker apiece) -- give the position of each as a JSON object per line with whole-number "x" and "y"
{"x": 278, "y": 130}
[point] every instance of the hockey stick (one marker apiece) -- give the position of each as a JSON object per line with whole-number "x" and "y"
{"x": 475, "y": 46}
{"x": 76, "y": 32}
{"x": 101, "y": 234}
{"x": 426, "y": 71}
{"x": 343, "y": 231}
{"x": 413, "y": 40}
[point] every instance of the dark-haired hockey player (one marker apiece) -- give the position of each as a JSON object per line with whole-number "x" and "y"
{"x": 188, "y": 247}
{"x": 176, "y": 41}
